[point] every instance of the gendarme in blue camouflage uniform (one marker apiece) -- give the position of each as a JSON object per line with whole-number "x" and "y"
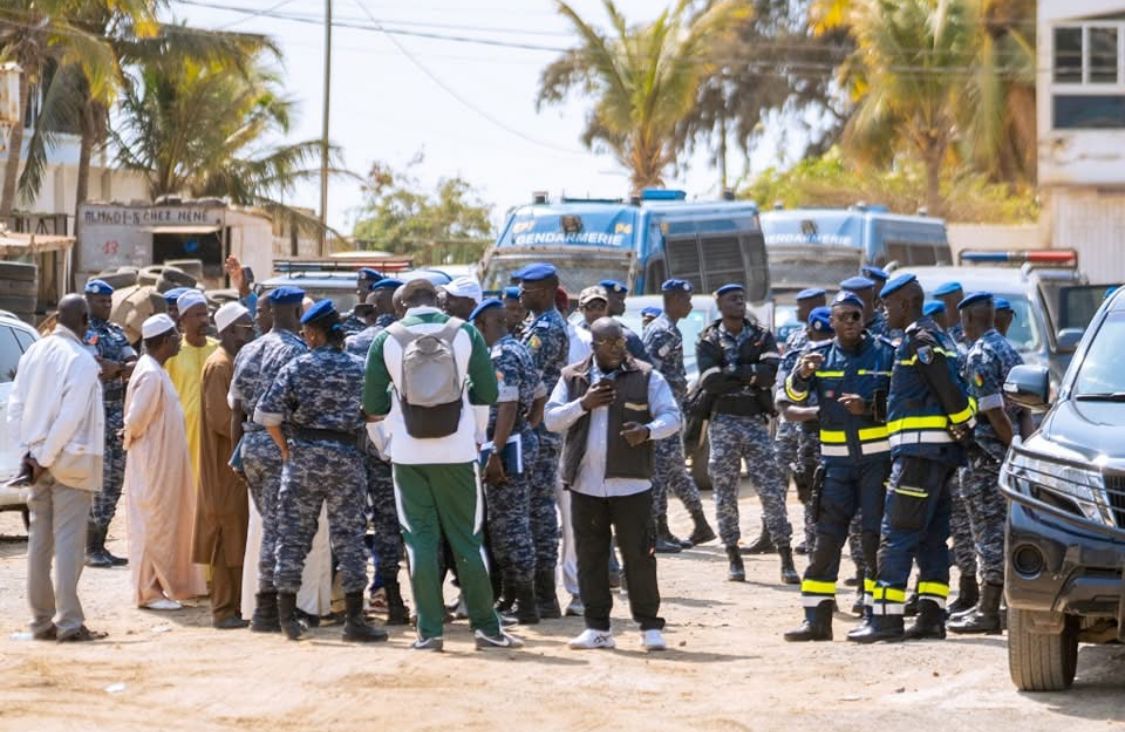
{"x": 112, "y": 345}
{"x": 360, "y": 343}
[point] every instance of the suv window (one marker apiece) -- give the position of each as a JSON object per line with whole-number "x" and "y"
{"x": 1100, "y": 371}
{"x": 25, "y": 339}
{"x": 10, "y": 353}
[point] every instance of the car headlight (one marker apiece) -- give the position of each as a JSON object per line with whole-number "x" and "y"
{"x": 1082, "y": 488}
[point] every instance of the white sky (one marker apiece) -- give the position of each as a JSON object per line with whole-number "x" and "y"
{"x": 385, "y": 108}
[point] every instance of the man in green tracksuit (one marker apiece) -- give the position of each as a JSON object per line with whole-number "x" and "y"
{"x": 433, "y": 451}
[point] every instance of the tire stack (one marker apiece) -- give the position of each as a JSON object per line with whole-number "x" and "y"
{"x": 19, "y": 290}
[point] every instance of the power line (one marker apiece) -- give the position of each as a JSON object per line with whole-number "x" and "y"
{"x": 271, "y": 9}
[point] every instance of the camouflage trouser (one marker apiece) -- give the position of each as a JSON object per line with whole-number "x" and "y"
{"x": 807, "y": 455}
{"x": 387, "y": 548}
{"x": 855, "y": 542}
{"x": 261, "y": 461}
{"x": 670, "y": 472}
{"x": 785, "y": 446}
{"x": 988, "y": 512}
{"x": 509, "y": 519}
{"x": 960, "y": 529}
{"x": 104, "y": 505}
{"x": 317, "y": 473}
{"x": 544, "y": 513}
{"x": 732, "y": 440}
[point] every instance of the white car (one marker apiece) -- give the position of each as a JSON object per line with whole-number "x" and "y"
{"x": 16, "y": 337}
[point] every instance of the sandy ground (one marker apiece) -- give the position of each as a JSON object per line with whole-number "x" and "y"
{"x": 727, "y": 669}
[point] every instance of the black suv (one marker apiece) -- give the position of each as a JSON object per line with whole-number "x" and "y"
{"x": 1065, "y": 539}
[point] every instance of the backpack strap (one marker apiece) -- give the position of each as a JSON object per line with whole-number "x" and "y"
{"x": 449, "y": 332}
{"x": 403, "y": 335}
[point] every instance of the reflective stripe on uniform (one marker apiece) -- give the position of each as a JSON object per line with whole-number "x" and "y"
{"x": 888, "y": 608}
{"x": 963, "y": 416}
{"x": 935, "y": 422}
{"x": 914, "y": 359}
{"x": 912, "y": 492}
{"x": 792, "y": 393}
{"x": 873, "y": 433}
{"x": 940, "y": 589}
{"x": 830, "y": 374}
{"x": 868, "y": 372}
{"x": 889, "y": 594}
{"x": 920, "y": 438}
{"x": 818, "y": 587}
{"x": 875, "y": 448}
{"x": 834, "y": 451}
{"x": 833, "y": 437}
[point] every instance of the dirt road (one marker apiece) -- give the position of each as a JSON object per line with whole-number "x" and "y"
{"x": 727, "y": 669}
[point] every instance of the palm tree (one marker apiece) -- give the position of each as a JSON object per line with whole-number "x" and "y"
{"x": 644, "y": 79}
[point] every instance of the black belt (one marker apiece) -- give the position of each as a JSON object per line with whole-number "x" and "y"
{"x": 314, "y": 435}
{"x": 742, "y": 405}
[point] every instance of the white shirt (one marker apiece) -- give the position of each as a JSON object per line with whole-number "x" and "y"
{"x": 581, "y": 340}
{"x": 55, "y": 409}
{"x": 562, "y": 412}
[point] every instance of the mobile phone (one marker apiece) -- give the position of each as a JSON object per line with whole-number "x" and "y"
{"x": 248, "y": 275}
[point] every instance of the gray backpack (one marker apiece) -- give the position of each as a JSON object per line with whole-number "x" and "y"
{"x": 431, "y": 388}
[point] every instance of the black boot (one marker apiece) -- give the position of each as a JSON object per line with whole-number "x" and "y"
{"x": 763, "y": 544}
{"x": 789, "y": 574}
{"x": 265, "y": 619}
{"x": 801, "y": 548}
{"x": 967, "y": 598}
{"x": 910, "y": 609}
{"x": 96, "y": 555}
{"x": 526, "y": 610}
{"x": 881, "y": 628}
{"x": 287, "y": 615}
{"x": 930, "y": 623}
{"x": 396, "y": 608}
{"x": 702, "y": 532}
{"x": 817, "y": 625}
{"x": 356, "y": 628}
{"x": 546, "y": 600}
{"x": 986, "y": 617}
{"x": 507, "y": 595}
{"x": 864, "y": 623}
{"x": 860, "y": 599}
{"x": 736, "y": 573}
{"x": 665, "y": 542}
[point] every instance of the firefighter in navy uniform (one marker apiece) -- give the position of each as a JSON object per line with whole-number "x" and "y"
{"x": 850, "y": 376}
{"x": 929, "y": 419}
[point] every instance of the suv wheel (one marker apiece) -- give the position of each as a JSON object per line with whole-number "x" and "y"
{"x": 1040, "y": 661}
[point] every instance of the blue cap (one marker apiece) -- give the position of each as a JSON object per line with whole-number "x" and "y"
{"x": 856, "y": 284}
{"x": 933, "y": 307}
{"x": 488, "y": 304}
{"x": 897, "y": 284}
{"x": 974, "y": 298}
{"x": 286, "y": 295}
{"x": 172, "y": 295}
{"x": 1001, "y": 304}
{"x": 366, "y": 273}
{"x": 872, "y": 272}
{"x": 810, "y": 294}
{"x": 387, "y": 283}
{"x": 947, "y": 289}
{"x": 512, "y": 293}
{"x": 651, "y": 311}
{"x": 615, "y": 286}
{"x": 732, "y": 287}
{"x": 674, "y": 286}
{"x": 850, "y": 299}
{"x": 537, "y": 272}
{"x": 819, "y": 320}
{"x": 320, "y": 309}
{"x": 98, "y": 287}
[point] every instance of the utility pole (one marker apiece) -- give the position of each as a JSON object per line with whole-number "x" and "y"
{"x": 324, "y": 127}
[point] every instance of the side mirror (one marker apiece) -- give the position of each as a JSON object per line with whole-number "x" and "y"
{"x": 1069, "y": 338}
{"x": 1029, "y": 386}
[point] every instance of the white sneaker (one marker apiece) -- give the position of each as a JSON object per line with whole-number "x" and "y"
{"x": 500, "y": 640}
{"x": 592, "y": 640}
{"x": 653, "y": 640}
{"x": 576, "y": 608}
{"x": 163, "y": 604}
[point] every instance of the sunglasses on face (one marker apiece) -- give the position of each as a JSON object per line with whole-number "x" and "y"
{"x": 849, "y": 316}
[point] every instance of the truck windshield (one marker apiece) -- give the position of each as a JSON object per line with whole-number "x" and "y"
{"x": 571, "y": 225}
{"x": 574, "y": 273}
{"x": 1101, "y": 375}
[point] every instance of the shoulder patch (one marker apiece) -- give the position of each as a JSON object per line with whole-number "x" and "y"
{"x": 926, "y": 354}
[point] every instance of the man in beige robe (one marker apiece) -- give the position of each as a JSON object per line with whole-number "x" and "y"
{"x": 222, "y": 514}
{"x": 159, "y": 482}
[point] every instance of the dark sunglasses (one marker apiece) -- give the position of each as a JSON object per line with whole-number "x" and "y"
{"x": 849, "y": 316}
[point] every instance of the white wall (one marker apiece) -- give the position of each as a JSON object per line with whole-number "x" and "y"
{"x": 994, "y": 237}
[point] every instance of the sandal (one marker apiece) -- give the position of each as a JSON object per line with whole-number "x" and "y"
{"x": 47, "y": 634}
{"x": 81, "y": 635}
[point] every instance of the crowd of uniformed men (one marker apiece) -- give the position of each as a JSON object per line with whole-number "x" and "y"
{"x": 889, "y": 412}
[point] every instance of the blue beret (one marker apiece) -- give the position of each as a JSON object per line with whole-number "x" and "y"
{"x": 947, "y": 289}
{"x": 614, "y": 286}
{"x": 366, "y": 273}
{"x": 511, "y": 293}
{"x": 811, "y": 293}
{"x": 387, "y": 283}
{"x": 732, "y": 287}
{"x": 321, "y": 309}
{"x": 1001, "y": 304}
{"x": 897, "y": 284}
{"x": 933, "y": 307}
{"x": 674, "y": 286}
{"x": 98, "y": 287}
{"x": 488, "y": 304}
{"x": 872, "y": 272}
{"x": 537, "y": 272}
{"x": 857, "y": 283}
{"x": 818, "y": 320}
{"x": 652, "y": 310}
{"x": 974, "y": 298}
{"x": 172, "y": 295}
{"x": 286, "y": 295}
{"x": 843, "y": 297}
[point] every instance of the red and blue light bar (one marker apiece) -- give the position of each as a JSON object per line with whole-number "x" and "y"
{"x": 1054, "y": 257}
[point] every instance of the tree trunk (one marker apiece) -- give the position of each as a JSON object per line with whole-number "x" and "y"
{"x": 935, "y": 205}
{"x": 15, "y": 152}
